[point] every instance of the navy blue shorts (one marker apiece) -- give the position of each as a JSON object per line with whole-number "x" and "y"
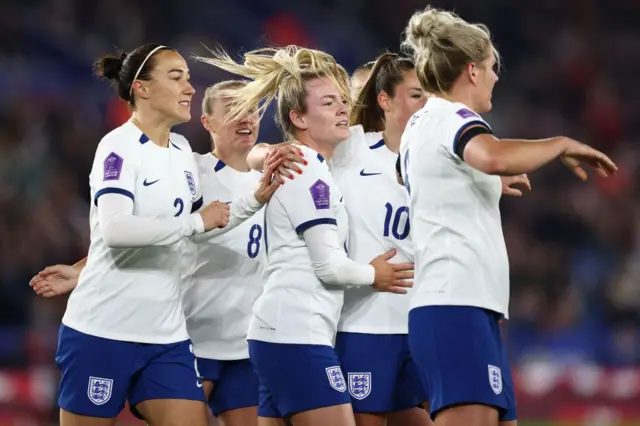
{"x": 99, "y": 375}
{"x": 296, "y": 378}
{"x": 461, "y": 358}
{"x": 381, "y": 375}
{"x": 236, "y": 384}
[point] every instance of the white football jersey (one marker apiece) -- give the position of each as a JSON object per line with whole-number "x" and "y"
{"x": 132, "y": 294}
{"x": 295, "y": 306}
{"x": 226, "y": 278}
{"x": 460, "y": 253}
{"x": 377, "y": 206}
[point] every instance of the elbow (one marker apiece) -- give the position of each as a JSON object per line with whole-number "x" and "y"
{"x": 487, "y": 161}
{"x": 111, "y": 237}
{"x": 326, "y": 275}
{"x": 494, "y": 165}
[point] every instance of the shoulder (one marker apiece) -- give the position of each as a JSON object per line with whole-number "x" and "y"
{"x": 180, "y": 142}
{"x": 374, "y": 140}
{"x": 316, "y": 170}
{"x": 458, "y": 114}
{"x": 120, "y": 143}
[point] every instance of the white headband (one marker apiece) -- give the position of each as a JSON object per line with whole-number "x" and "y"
{"x": 142, "y": 65}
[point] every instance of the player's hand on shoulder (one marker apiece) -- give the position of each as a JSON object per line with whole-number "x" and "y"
{"x": 269, "y": 182}
{"x": 391, "y": 277}
{"x": 54, "y": 281}
{"x": 576, "y": 154}
{"x": 508, "y": 183}
{"x": 215, "y": 215}
{"x": 291, "y": 159}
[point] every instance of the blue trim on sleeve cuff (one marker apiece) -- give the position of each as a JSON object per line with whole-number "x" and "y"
{"x": 311, "y": 223}
{"x": 196, "y": 206}
{"x": 112, "y": 191}
{"x": 462, "y": 129}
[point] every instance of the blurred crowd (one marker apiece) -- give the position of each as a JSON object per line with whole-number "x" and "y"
{"x": 569, "y": 68}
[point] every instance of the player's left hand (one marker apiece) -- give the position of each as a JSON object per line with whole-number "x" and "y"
{"x": 268, "y": 183}
{"x": 509, "y": 181}
{"x": 292, "y": 160}
{"x": 55, "y": 280}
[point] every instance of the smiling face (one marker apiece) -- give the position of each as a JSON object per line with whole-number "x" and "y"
{"x": 325, "y": 117}
{"x": 169, "y": 91}
{"x": 235, "y": 135}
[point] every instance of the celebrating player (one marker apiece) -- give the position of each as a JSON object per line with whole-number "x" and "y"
{"x": 372, "y": 342}
{"x": 123, "y": 335}
{"x": 227, "y": 277}
{"x": 295, "y": 319}
{"x": 451, "y": 163}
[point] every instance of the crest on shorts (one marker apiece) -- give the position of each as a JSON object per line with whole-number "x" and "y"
{"x": 191, "y": 182}
{"x": 359, "y": 385}
{"x": 495, "y": 379}
{"x": 336, "y": 379}
{"x": 99, "y": 390}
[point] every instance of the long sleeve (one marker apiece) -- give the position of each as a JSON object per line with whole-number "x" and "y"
{"x": 240, "y": 210}
{"x": 120, "y": 228}
{"x": 329, "y": 260}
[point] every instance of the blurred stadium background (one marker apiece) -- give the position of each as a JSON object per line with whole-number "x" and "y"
{"x": 570, "y": 68}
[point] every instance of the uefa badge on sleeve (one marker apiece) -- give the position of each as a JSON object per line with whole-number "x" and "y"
{"x": 495, "y": 379}
{"x": 112, "y": 167}
{"x": 336, "y": 379}
{"x": 321, "y": 195}
{"x": 99, "y": 390}
{"x": 359, "y": 385}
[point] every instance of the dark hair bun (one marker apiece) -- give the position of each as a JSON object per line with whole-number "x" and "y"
{"x": 109, "y": 66}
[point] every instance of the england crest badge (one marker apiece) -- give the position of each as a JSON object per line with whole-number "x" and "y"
{"x": 191, "y": 182}
{"x": 495, "y": 379}
{"x": 359, "y": 385}
{"x": 99, "y": 391}
{"x": 336, "y": 379}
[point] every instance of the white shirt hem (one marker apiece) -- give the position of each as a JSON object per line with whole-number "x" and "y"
{"x": 176, "y": 337}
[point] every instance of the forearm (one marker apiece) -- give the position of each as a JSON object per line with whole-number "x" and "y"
{"x": 513, "y": 157}
{"x": 121, "y": 229}
{"x": 256, "y": 156}
{"x": 330, "y": 262}
{"x": 79, "y": 265}
{"x": 240, "y": 210}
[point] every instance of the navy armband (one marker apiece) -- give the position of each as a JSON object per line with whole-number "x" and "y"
{"x": 468, "y": 132}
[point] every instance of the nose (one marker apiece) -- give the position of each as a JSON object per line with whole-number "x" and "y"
{"x": 189, "y": 89}
{"x": 342, "y": 110}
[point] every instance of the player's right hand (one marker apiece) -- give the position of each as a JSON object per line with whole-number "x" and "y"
{"x": 391, "y": 277}
{"x": 215, "y": 215}
{"x": 55, "y": 280}
{"x": 291, "y": 156}
{"x": 578, "y": 153}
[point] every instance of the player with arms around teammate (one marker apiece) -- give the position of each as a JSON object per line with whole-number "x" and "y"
{"x": 227, "y": 277}
{"x": 123, "y": 335}
{"x": 295, "y": 319}
{"x": 372, "y": 342}
{"x": 451, "y": 163}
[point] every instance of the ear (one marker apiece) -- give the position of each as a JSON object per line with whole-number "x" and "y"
{"x": 140, "y": 89}
{"x": 205, "y": 123}
{"x": 384, "y": 100}
{"x": 298, "y": 119}
{"x": 472, "y": 73}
